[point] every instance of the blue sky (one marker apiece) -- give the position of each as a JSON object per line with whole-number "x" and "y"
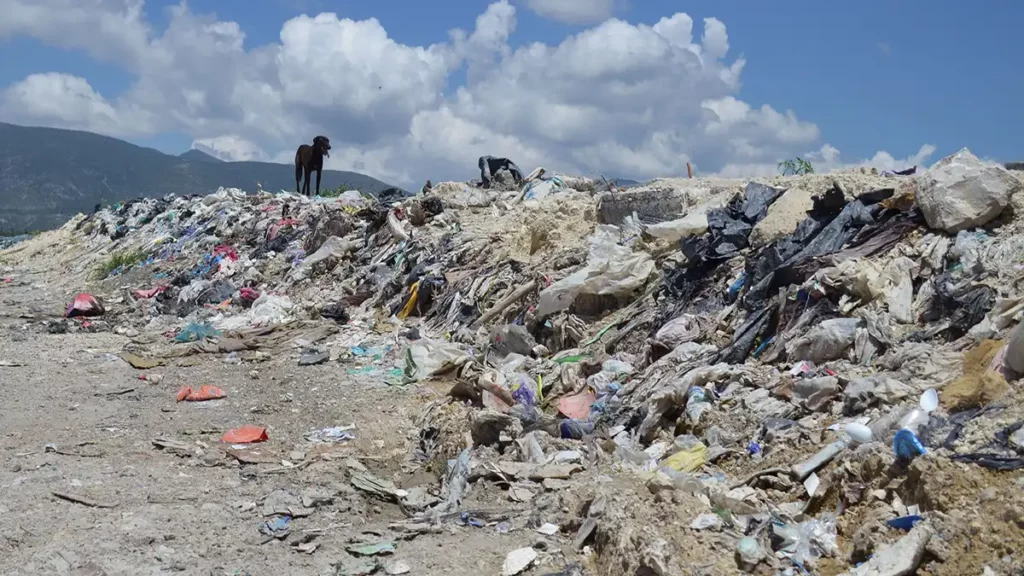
{"x": 870, "y": 75}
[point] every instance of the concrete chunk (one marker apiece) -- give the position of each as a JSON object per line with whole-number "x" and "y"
{"x": 899, "y": 558}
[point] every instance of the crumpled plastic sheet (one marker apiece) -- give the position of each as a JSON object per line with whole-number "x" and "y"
{"x": 827, "y": 341}
{"x": 611, "y": 269}
{"x": 456, "y": 483}
{"x": 684, "y": 328}
{"x": 922, "y": 365}
{"x": 673, "y": 394}
{"x": 427, "y": 358}
{"x": 807, "y": 540}
{"x": 267, "y": 310}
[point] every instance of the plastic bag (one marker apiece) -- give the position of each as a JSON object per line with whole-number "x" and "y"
{"x": 352, "y": 198}
{"x": 967, "y": 249}
{"x": 540, "y": 189}
{"x": 611, "y": 269}
{"x": 270, "y": 310}
{"x": 678, "y": 331}
{"x": 674, "y": 230}
{"x": 807, "y": 540}
{"x": 1015, "y": 350}
{"x": 427, "y": 358}
{"x": 524, "y": 390}
{"x": 899, "y": 289}
{"x": 194, "y": 332}
{"x": 689, "y": 460}
{"x": 333, "y": 247}
{"x": 85, "y": 305}
{"x": 827, "y": 341}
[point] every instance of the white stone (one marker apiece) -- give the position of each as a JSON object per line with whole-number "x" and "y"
{"x": 397, "y": 567}
{"x": 518, "y": 560}
{"x": 962, "y": 192}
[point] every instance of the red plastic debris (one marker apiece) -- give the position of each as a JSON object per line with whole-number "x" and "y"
{"x": 245, "y": 435}
{"x": 205, "y": 392}
{"x": 226, "y": 251}
{"x": 85, "y": 305}
{"x": 248, "y": 294}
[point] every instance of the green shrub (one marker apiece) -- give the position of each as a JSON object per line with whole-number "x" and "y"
{"x": 797, "y": 166}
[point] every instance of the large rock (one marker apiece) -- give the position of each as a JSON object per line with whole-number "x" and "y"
{"x": 962, "y": 192}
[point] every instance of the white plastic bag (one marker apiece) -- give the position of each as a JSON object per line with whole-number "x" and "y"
{"x": 427, "y": 358}
{"x": 692, "y": 224}
{"x": 611, "y": 269}
{"x": 678, "y": 331}
{"x": 1015, "y": 350}
{"x": 333, "y": 247}
{"x": 270, "y": 310}
{"x": 540, "y": 189}
{"x": 827, "y": 341}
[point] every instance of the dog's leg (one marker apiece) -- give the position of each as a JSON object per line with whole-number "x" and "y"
{"x": 298, "y": 178}
{"x": 318, "y": 170}
{"x": 305, "y": 184}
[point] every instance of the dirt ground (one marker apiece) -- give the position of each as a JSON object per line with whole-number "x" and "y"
{"x": 149, "y": 511}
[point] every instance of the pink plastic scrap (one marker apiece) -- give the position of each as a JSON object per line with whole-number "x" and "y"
{"x": 275, "y": 228}
{"x": 248, "y": 294}
{"x": 85, "y": 305}
{"x": 226, "y": 251}
{"x": 150, "y": 293}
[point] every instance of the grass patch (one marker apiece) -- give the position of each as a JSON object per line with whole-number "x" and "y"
{"x": 796, "y": 167}
{"x": 118, "y": 260}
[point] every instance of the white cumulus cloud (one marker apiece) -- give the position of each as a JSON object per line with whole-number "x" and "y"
{"x": 620, "y": 99}
{"x": 67, "y": 101}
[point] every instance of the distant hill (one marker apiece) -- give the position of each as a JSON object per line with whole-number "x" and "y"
{"x": 200, "y": 156}
{"x": 47, "y": 175}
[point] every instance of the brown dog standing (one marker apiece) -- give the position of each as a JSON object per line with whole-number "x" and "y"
{"x": 309, "y": 158}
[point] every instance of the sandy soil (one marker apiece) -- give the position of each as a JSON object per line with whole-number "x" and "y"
{"x": 200, "y": 513}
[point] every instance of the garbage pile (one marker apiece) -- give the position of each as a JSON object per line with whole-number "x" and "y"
{"x": 8, "y": 241}
{"x": 814, "y": 374}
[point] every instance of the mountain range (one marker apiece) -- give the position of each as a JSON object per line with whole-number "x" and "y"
{"x": 47, "y": 175}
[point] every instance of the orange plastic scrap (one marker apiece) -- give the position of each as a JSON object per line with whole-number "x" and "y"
{"x": 204, "y": 392}
{"x": 577, "y": 406}
{"x": 245, "y": 435}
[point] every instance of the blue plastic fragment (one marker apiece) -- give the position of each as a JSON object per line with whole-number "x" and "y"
{"x": 906, "y": 445}
{"x": 738, "y": 284}
{"x": 761, "y": 348}
{"x": 276, "y": 528}
{"x": 470, "y": 521}
{"x": 904, "y": 522}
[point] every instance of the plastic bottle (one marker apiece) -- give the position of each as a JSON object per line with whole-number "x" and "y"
{"x": 906, "y": 444}
{"x": 696, "y": 403}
